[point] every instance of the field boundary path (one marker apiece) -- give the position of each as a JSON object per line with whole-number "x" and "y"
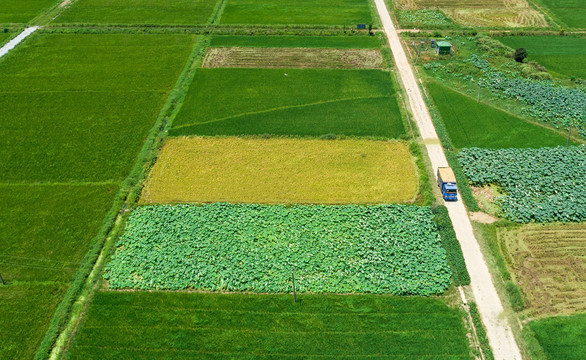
{"x": 498, "y": 330}
{"x": 14, "y": 42}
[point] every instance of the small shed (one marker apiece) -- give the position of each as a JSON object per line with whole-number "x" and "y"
{"x": 443, "y": 48}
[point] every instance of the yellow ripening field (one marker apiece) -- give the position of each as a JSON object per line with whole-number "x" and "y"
{"x": 282, "y": 171}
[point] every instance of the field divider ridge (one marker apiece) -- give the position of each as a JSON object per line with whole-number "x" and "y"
{"x": 68, "y": 314}
{"x": 499, "y": 331}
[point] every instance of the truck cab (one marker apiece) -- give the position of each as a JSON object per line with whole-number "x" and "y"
{"x": 447, "y": 183}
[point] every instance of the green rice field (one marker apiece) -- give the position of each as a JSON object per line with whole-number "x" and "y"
{"x": 568, "y": 12}
{"x": 177, "y": 12}
{"x": 147, "y": 325}
{"x": 23, "y": 11}
{"x": 565, "y": 55}
{"x": 284, "y": 41}
{"x": 291, "y": 102}
{"x": 322, "y": 12}
{"x": 562, "y": 337}
{"x": 473, "y": 124}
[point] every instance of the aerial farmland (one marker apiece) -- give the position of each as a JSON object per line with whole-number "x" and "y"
{"x": 258, "y": 179}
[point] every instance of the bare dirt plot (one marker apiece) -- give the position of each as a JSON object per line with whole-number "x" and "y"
{"x": 285, "y": 171}
{"x": 509, "y": 13}
{"x": 249, "y": 57}
{"x": 549, "y": 265}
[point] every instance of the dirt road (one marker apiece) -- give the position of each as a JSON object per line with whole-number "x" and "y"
{"x": 499, "y": 333}
{"x": 12, "y": 43}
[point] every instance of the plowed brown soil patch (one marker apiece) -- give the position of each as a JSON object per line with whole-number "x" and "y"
{"x": 248, "y": 57}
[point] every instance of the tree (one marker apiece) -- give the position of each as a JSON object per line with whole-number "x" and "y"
{"x": 520, "y": 55}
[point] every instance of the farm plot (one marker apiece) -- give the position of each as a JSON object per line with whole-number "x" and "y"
{"x": 493, "y": 13}
{"x": 564, "y": 55}
{"x": 141, "y": 325}
{"x": 111, "y": 12}
{"x": 252, "y": 57}
{"x": 320, "y": 12}
{"x": 293, "y": 102}
{"x": 384, "y": 249}
{"x": 569, "y": 12}
{"x": 282, "y": 171}
{"x": 294, "y": 41}
{"x": 21, "y": 12}
{"x": 549, "y": 263}
{"x": 473, "y": 124}
{"x": 562, "y": 337}
{"x": 540, "y": 185}
{"x": 69, "y": 102}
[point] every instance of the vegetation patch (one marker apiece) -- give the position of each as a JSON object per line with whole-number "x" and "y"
{"x": 284, "y": 41}
{"x": 452, "y": 246}
{"x": 473, "y": 124}
{"x": 540, "y": 185}
{"x": 282, "y": 171}
{"x": 19, "y": 11}
{"x": 561, "y": 54}
{"x": 175, "y": 325}
{"x": 384, "y": 249}
{"x": 423, "y": 19}
{"x": 79, "y": 107}
{"x": 548, "y": 261}
{"x": 322, "y": 12}
{"x": 562, "y": 337}
{"x": 115, "y": 12}
{"x": 253, "y": 57}
{"x": 293, "y": 102}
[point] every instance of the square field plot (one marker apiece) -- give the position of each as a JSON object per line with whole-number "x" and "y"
{"x": 109, "y": 12}
{"x": 293, "y": 102}
{"x": 569, "y": 12}
{"x": 562, "y": 337}
{"x": 289, "y": 12}
{"x": 79, "y": 107}
{"x": 159, "y": 325}
{"x": 282, "y": 171}
{"x": 23, "y": 11}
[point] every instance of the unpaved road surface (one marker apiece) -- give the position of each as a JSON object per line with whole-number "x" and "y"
{"x": 12, "y": 43}
{"x": 498, "y": 330}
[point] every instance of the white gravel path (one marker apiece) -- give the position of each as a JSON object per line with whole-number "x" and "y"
{"x": 498, "y": 330}
{"x": 12, "y": 43}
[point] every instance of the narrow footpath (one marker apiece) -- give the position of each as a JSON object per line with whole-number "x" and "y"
{"x": 12, "y": 43}
{"x": 498, "y": 330}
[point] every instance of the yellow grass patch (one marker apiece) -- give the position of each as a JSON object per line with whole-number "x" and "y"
{"x": 549, "y": 264}
{"x": 282, "y": 171}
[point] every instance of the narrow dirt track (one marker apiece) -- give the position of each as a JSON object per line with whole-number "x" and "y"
{"x": 12, "y": 43}
{"x": 498, "y": 330}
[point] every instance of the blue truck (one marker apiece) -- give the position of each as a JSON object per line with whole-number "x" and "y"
{"x": 447, "y": 183}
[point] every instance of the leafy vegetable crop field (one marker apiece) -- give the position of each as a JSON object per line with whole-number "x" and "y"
{"x": 569, "y": 12}
{"x": 294, "y": 102}
{"x": 284, "y": 171}
{"x": 540, "y": 185}
{"x": 473, "y": 124}
{"x": 423, "y": 19}
{"x": 19, "y": 11}
{"x": 562, "y": 337}
{"x": 561, "y": 54}
{"x": 295, "y": 41}
{"x": 384, "y": 249}
{"x": 141, "y": 325}
{"x": 547, "y": 262}
{"x": 322, "y": 12}
{"x": 110, "y": 12}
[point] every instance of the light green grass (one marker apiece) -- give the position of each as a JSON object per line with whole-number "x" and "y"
{"x": 322, "y": 12}
{"x": 176, "y": 12}
{"x": 23, "y": 11}
{"x": 473, "y": 124}
{"x": 563, "y": 337}
{"x": 561, "y": 54}
{"x": 569, "y": 12}
{"x": 336, "y": 42}
{"x": 162, "y": 325}
{"x": 79, "y": 107}
{"x": 290, "y": 102}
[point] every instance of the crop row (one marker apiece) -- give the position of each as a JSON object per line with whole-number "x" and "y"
{"x": 392, "y": 249}
{"x": 540, "y": 185}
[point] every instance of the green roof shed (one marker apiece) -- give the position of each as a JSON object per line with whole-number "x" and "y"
{"x": 443, "y": 48}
